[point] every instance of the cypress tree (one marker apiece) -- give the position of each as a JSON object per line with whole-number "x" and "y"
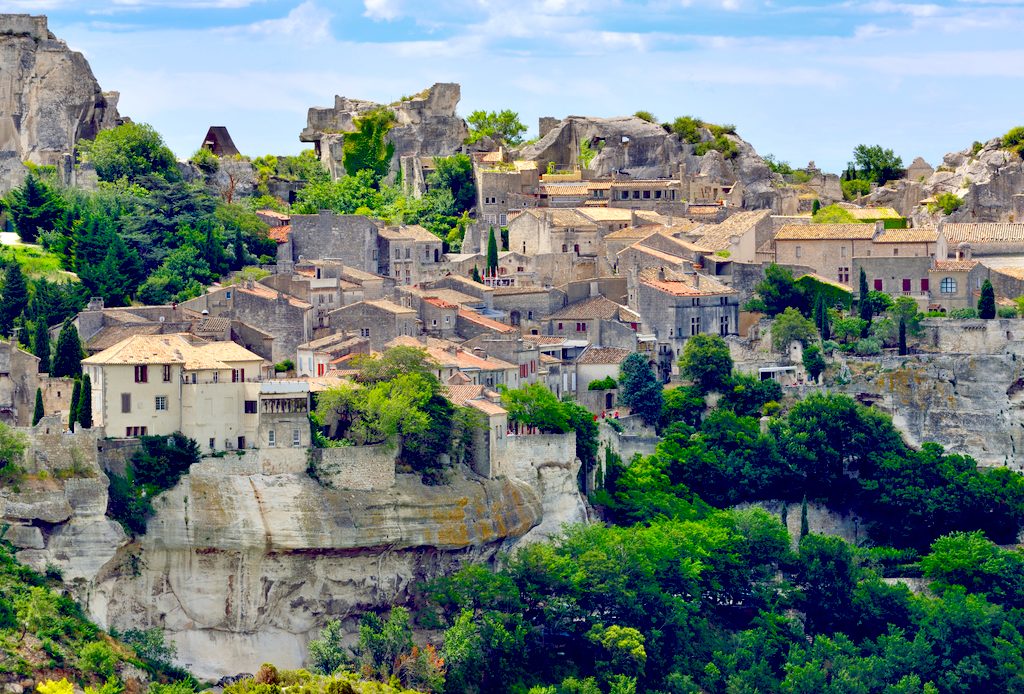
{"x": 85, "y": 403}
{"x": 475, "y": 275}
{"x": 865, "y": 301}
{"x": 805, "y": 527}
{"x": 492, "y": 253}
{"x": 987, "y": 302}
{"x": 68, "y": 359}
{"x": 815, "y": 206}
{"x": 821, "y": 318}
{"x": 239, "y": 248}
{"x": 39, "y": 411}
{"x": 76, "y": 396}
{"x": 14, "y": 297}
{"x": 903, "y": 336}
{"x": 41, "y": 344}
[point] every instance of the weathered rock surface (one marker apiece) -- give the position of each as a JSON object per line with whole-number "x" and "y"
{"x": 49, "y": 99}
{"x": 990, "y": 182}
{"x": 640, "y": 149}
{"x": 425, "y": 125}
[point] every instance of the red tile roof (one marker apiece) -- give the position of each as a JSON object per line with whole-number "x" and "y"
{"x": 280, "y": 234}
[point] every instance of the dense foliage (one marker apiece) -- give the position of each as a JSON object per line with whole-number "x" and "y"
{"x": 502, "y": 126}
{"x": 639, "y": 388}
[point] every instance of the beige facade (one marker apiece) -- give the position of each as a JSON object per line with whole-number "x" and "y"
{"x": 159, "y": 384}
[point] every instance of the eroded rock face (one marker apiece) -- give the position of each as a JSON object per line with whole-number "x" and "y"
{"x": 425, "y": 125}
{"x": 990, "y": 182}
{"x": 49, "y": 99}
{"x": 242, "y": 568}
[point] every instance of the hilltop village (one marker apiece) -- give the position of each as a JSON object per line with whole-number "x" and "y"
{"x": 648, "y": 378}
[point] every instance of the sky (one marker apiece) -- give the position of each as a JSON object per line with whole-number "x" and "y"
{"x": 800, "y": 80}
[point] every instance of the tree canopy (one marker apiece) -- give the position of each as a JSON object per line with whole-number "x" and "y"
{"x": 130, "y": 151}
{"x": 503, "y": 126}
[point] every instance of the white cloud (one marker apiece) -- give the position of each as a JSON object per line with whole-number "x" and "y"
{"x": 387, "y": 10}
{"x": 308, "y": 20}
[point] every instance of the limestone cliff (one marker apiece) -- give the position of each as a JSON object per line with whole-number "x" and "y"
{"x": 640, "y": 149}
{"x": 425, "y": 125}
{"x": 248, "y": 556}
{"x": 989, "y": 179}
{"x": 49, "y": 99}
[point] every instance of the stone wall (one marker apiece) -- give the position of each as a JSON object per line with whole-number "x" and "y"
{"x": 363, "y": 468}
{"x": 352, "y": 239}
{"x": 974, "y": 336}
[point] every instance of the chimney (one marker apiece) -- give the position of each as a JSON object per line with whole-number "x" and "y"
{"x": 95, "y": 303}
{"x": 595, "y": 290}
{"x": 661, "y": 274}
{"x": 879, "y": 228}
{"x": 634, "y": 218}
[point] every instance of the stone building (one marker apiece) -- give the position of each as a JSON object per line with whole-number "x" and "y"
{"x": 597, "y": 320}
{"x": 955, "y": 284}
{"x": 19, "y": 378}
{"x": 674, "y": 306}
{"x": 316, "y": 357}
{"x": 739, "y": 236}
{"x": 288, "y": 319}
{"x": 377, "y": 320}
{"x": 985, "y": 239}
{"x": 348, "y": 238}
{"x": 553, "y": 231}
{"x": 504, "y": 188}
{"x": 454, "y": 363}
{"x": 919, "y": 171}
{"x": 218, "y": 140}
{"x": 160, "y": 384}
{"x": 409, "y": 254}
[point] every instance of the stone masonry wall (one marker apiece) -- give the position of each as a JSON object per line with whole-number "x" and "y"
{"x": 363, "y": 468}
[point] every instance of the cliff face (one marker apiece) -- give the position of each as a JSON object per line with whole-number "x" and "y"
{"x": 248, "y": 557}
{"x": 49, "y": 99}
{"x": 425, "y": 125}
{"x": 990, "y": 181}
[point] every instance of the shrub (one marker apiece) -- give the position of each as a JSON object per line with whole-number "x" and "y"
{"x": 1007, "y": 312}
{"x": 947, "y": 202}
{"x": 855, "y": 188}
{"x": 646, "y": 115}
{"x": 207, "y": 161}
{"x": 867, "y": 346}
{"x": 963, "y": 313}
{"x": 976, "y": 147}
{"x": 606, "y": 383}
{"x": 1014, "y": 140}
{"x": 97, "y": 658}
{"x": 833, "y": 214}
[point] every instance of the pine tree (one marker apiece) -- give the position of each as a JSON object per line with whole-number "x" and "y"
{"x": 84, "y": 416}
{"x": 39, "y": 412}
{"x": 987, "y": 302}
{"x": 76, "y": 396}
{"x": 903, "y": 336}
{"x": 41, "y": 345}
{"x": 639, "y": 388}
{"x": 14, "y": 298}
{"x": 34, "y": 207}
{"x": 68, "y": 358}
{"x": 805, "y": 527}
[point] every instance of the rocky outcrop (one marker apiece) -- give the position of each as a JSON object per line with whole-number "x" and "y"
{"x": 425, "y": 125}
{"x": 637, "y": 148}
{"x": 989, "y": 179}
{"x": 49, "y": 99}
{"x": 242, "y": 568}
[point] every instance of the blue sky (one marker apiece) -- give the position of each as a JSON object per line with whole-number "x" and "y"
{"x": 801, "y": 80}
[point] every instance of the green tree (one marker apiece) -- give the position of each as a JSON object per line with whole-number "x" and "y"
{"x": 777, "y": 291}
{"x": 84, "y": 415}
{"x": 327, "y": 653}
{"x": 367, "y": 149}
{"x": 67, "y": 360}
{"x": 902, "y": 345}
{"x": 639, "y": 389}
{"x": 877, "y": 164}
{"x": 14, "y": 298}
{"x": 475, "y": 275}
{"x": 76, "y": 398}
{"x": 827, "y": 576}
{"x": 682, "y": 404}
{"x": 706, "y": 361}
{"x": 864, "y": 301}
{"x": 815, "y": 206}
{"x": 534, "y": 405}
{"x": 805, "y": 527}
{"x": 833, "y": 214}
{"x": 822, "y": 318}
{"x": 131, "y": 151}
{"x": 987, "y": 302}
{"x": 492, "y": 253}
{"x": 382, "y": 643}
{"x": 35, "y": 207}
{"x": 791, "y": 326}
{"x": 39, "y": 412}
{"x": 456, "y": 174}
{"x": 814, "y": 361}
{"x": 503, "y": 126}
{"x": 41, "y": 344}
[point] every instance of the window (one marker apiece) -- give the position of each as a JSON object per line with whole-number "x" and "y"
{"x": 161, "y": 403}
{"x": 167, "y": 373}
{"x": 896, "y": 251}
{"x": 296, "y": 437}
{"x": 581, "y": 327}
{"x": 694, "y": 302}
{"x": 237, "y": 375}
{"x": 576, "y": 248}
{"x": 624, "y": 195}
{"x": 135, "y": 431}
{"x": 126, "y": 402}
{"x": 241, "y": 442}
{"x": 565, "y": 248}
{"x": 947, "y": 285}
{"x": 141, "y": 374}
{"x": 407, "y": 254}
{"x": 213, "y": 443}
{"x": 502, "y": 219}
{"x": 271, "y": 438}
{"x": 636, "y": 194}
{"x": 844, "y": 275}
{"x": 529, "y": 315}
{"x": 559, "y": 326}
{"x": 878, "y": 285}
{"x": 194, "y": 377}
{"x": 695, "y": 325}
{"x": 723, "y": 325}
{"x": 657, "y": 195}
{"x": 906, "y": 285}
{"x": 842, "y": 251}
{"x": 320, "y": 369}
{"x": 447, "y": 320}
{"x": 250, "y": 407}
{"x": 924, "y": 285}
{"x": 723, "y": 300}
{"x": 216, "y": 376}
{"x": 364, "y": 332}
{"x": 647, "y": 195}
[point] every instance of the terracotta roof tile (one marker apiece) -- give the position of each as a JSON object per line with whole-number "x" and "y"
{"x": 596, "y": 307}
{"x": 603, "y": 355}
{"x": 813, "y": 232}
{"x": 684, "y": 284}
{"x": 485, "y": 322}
{"x": 984, "y": 233}
{"x": 914, "y": 235}
{"x": 280, "y": 234}
{"x": 954, "y": 265}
